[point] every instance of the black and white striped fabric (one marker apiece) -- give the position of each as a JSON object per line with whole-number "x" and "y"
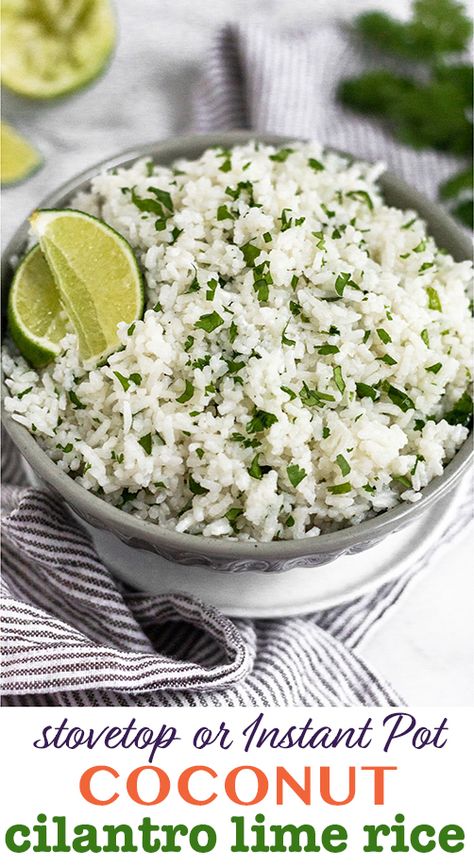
{"x": 73, "y": 636}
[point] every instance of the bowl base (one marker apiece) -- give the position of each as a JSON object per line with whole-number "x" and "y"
{"x": 267, "y": 594}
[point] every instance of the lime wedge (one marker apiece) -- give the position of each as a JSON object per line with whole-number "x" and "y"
{"x": 18, "y": 158}
{"x": 97, "y": 275}
{"x": 51, "y": 47}
{"x": 35, "y": 315}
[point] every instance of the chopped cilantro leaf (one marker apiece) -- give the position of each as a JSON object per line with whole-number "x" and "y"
{"x": 364, "y": 390}
{"x": 257, "y": 471}
{"x": 421, "y": 247}
{"x": 341, "y": 283}
{"x": 261, "y": 421}
{"x": 310, "y": 397}
{"x": 361, "y": 195}
{"x": 386, "y": 338}
{"x": 434, "y": 302}
{"x": 288, "y": 391}
{"x": 209, "y": 322}
{"x": 295, "y": 308}
{"x": 196, "y": 488}
{"x": 425, "y": 337}
{"x": 321, "y": 245}
{"x": 75, "y": 400}
{"x": 146, "y": 444}
{"x": 315, "y": 164}
{"x": 326, "y": 432}
{"x": 343, "y": 464}
{"x": 295, "y": 474}
{"x": 339, "y": 489}
{"x": 285, "y": 340}
{"x": 187, "y": 393}
{"x": 175, "y": 233}
{"x": 281, "y": 155}
{"x": 387, "y": 359}
{"x": 22, "y": 393}
{"x": 189, "y": 343}
{"x": 461, "y": 412}
{"x": 338, "y": 378}
{"x": 435, "y": 368}
{"x": 163, "y": 197}
{"x": 223, "y": 213}
{"x": 399, "y": 398}
{"x": 404, "y": 480}
{"x": 250, "y": 253}
{"x": 327, "y": 349}
{"x": 233, "y": 513}
{"x": 200, "y": 363}
{"x": 122, "y": 379}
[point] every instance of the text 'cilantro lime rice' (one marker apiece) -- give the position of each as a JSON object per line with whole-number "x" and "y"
{"x": 303, "y": 361}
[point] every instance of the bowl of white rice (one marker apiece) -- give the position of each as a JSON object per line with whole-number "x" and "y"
{"x": 298, "y": 387}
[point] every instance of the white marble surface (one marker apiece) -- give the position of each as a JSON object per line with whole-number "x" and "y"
{"x": 426, "y": 648}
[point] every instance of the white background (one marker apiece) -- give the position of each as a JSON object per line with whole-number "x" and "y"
{"x": 426, "y": 648}
{"x": 428, "y": 787}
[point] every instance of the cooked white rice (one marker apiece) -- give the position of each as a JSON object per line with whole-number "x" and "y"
{"x": 317, "y": 399}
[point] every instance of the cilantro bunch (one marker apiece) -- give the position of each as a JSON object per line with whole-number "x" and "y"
{"x": 434, "y": 108}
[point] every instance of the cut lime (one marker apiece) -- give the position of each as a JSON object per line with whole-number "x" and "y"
{"x": 50, "y": 47}
{"x": 97, "y": 275}
{"x": 18, "y": 158}
{"x": 35, "y": 313}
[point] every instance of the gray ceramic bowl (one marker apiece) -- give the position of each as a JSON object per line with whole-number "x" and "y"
{"x": 218, "y": 554}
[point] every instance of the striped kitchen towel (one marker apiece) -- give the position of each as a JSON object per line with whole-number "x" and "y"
{"x": 72, "y": 635}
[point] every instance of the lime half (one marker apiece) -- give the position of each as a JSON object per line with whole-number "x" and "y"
{"x": 97, "y": 275}
{"x": 51, "y": 47}
{"x": 35, "y": 316}
{"x": 18, "y": 158}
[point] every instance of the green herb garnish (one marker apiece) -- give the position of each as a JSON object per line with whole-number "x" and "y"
{"x": 146, "y": 444}
{"x": 187, "y": 393}
{"x": 364, "y": 390}
{"x": 339, "y": 489}
{"x": 261, "y": 421}
{"x": 344, "y": 466}
{"x": 338, "y": 378}
{"x": 196, "y": 488}
{"x": 315, "y": 164}
{"x": 434, "y": 302}
{"x": 341, "y": 283}
{"x": 209, "y": 322}
{"x": 295, "y": 474}
{"x": 461, "y": 413}
{"x": 386, "y": 338}
{"x": 281, "y": 155}
{"x": 328, "y": 349}
{"x": 361, "y": 195}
